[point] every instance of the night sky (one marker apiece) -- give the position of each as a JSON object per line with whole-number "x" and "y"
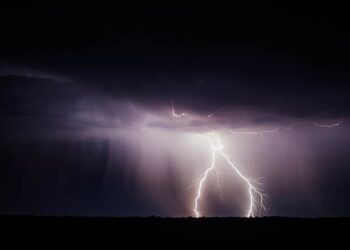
{"x": 86, "y": 98}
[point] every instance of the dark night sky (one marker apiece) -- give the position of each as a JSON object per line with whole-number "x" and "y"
{"x": 64, "y": 68}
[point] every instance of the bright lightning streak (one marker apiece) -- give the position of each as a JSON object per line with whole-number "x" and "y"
{"x": 217, "y": 149}
{"x": 175, "y": 114}
{"x": 203, "y": 179}
{"x": 262, "y": 132}
{"x": 337, "y": 124}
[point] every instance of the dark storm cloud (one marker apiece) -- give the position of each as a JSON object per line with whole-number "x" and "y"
{"x": 203, "y": 59}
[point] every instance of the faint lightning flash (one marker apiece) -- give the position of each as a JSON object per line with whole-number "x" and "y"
{"x": 218, "y": 185}
{"x": 211, "y": 114}
{"x": 175, "y": 114}
{"x": 337, "y": 124}
{"x": 275, "y": 130}
{"x": 217, "y": 149}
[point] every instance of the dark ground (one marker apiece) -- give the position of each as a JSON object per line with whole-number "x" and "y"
{"x": 267, "y": 232}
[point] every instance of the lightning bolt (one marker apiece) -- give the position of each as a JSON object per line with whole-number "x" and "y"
{"x": 256, "y": 197}
{"x": 337, "y": 124}
{"x": 262, "y": 132}
{"x": 174, "y": 114}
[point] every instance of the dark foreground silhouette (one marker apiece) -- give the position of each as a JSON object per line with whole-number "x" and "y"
{"x": 152, "y": 230}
